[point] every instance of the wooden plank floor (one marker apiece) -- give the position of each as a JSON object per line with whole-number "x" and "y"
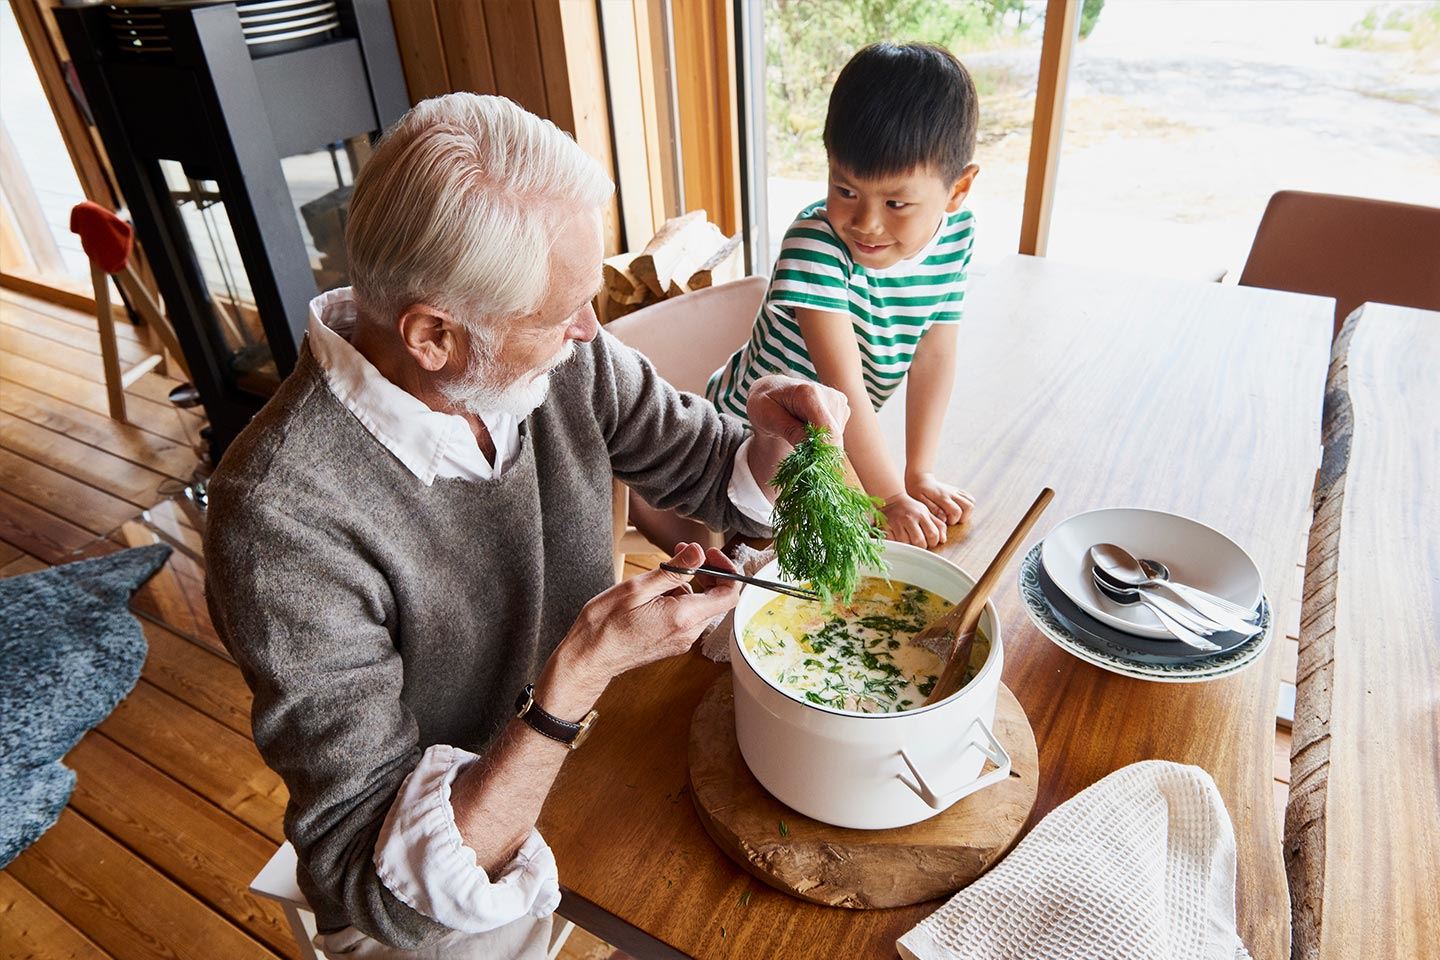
{"x": 174, "y": 811}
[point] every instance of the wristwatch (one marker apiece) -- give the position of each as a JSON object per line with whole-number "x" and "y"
{"x": 547, "y": 724}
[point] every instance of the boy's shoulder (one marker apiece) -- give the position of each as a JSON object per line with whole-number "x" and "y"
{"x": 958, "y": 223}
{"x": 813, "y": 223}
{"x": 811, "y": 238}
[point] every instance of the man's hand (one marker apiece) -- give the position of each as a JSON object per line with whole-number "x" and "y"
{"x": 781, "y": 406}
{"x": 649, "y": 617}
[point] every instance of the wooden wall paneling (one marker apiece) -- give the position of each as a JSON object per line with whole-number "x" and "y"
{"x": 704, "y": 32}
{"x": 515, "y": 53}
{"x": 631, "y": 110}
{"x": 422, "y": 49}
{"x": 543, "y": 54}
{"x": 570, "y": 51}
{"x": 466, "y": 40}
{"x": 1062, "y": 27}
{"x": 654, "y": 105}
{"x": 667, "y": 117}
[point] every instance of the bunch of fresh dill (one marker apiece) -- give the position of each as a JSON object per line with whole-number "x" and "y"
{"x": 825, "y": 530}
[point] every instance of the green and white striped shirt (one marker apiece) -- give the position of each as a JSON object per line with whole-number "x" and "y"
{"x": 889, "y": 309}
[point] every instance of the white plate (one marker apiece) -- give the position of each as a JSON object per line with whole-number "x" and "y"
{"x": 1225, "y": 664}
{"x": 1196, "y": 555}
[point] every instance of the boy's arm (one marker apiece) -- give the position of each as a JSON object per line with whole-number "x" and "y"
{"x": 830, "y": 341}
{"x": 927, "y": 397}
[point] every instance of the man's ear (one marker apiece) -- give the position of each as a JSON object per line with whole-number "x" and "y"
{"x": 428, "y": 334}
{"x": 961, "y": 188}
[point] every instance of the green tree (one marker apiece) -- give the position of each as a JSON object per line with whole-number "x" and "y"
{"x": 807, "y": 42}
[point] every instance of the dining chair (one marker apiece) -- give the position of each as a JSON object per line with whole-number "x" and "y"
{"x": 1350, "y": 248}
{"x": 108, "y": 242}
{"x": 687, "y": 338}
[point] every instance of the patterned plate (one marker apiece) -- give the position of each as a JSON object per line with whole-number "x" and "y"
{"x": 1191, "y": 671}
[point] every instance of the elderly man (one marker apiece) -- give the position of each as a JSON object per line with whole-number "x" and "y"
{"x": 411, "y": 543}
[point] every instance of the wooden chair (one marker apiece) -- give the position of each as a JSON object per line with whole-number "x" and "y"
{"x": 686, "y": 338}
{"x": 276, "y": 881}
{"x": 1350, "y": 248}
{"x": 108, "y": 241}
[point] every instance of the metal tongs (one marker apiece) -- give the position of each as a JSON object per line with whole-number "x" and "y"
{"x": 773, "y": 585}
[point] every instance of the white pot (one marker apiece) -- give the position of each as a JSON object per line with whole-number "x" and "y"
{"x": 871, "y": 771}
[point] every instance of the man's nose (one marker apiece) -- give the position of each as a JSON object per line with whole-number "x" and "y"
{"x": 585, "y": 327}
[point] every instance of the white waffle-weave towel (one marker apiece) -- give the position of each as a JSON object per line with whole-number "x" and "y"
{"x": 715, "y": 638}
{"x": 1139, "y": 865}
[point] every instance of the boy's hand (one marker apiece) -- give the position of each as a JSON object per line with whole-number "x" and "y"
{"x": 910, "y": 521}
{"x": 949, "y": 505}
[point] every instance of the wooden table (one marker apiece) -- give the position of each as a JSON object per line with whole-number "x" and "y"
{"x": 1362, "y": 832}
{"x": 1117, "y": 390}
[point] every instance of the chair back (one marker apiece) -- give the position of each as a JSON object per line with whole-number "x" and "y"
{"x": 1350, "y": 248}
{"x": 689, "y": 336}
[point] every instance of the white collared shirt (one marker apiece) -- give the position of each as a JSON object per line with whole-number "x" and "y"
{"x": 420, "y": 855}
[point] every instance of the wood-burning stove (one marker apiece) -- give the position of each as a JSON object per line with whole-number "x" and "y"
{"x": 235, "y": 128}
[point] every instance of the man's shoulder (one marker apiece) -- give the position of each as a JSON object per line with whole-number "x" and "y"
{"x": 299, "y": 434}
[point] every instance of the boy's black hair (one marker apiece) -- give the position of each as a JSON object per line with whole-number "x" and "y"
{"x": 897, "y": 106}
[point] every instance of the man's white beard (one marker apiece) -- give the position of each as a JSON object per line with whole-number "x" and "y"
{"x": 475, "y": 392}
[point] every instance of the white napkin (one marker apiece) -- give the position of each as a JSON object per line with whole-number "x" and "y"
{"x": 715, "y": 638}
{"x": 1139, "y": 865}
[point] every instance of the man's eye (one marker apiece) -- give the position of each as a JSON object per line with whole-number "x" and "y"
{"x": 847, "y": 194}
{"x": 897, "y": 204}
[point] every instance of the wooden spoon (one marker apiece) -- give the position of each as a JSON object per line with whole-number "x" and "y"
{"x": 960, "y": 623}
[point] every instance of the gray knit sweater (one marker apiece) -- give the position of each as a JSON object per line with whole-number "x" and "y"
{"x": 374, "y": 616}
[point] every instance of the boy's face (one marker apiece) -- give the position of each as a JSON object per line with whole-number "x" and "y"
{"x": 883, "y": 221}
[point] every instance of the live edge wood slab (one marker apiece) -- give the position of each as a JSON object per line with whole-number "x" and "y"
{"x": 855, "y": 868}
{"x": 1362, "y": 835}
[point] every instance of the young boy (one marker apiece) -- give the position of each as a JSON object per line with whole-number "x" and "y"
{"x": 870, "y": 282}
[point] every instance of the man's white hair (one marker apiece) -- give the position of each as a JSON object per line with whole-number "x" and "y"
{"x": 458, "y": 209}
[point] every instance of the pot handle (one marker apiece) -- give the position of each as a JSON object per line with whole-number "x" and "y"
{"x": 992, "y": 749}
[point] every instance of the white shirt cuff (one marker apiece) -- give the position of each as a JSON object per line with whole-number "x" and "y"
{"x": 422, "y": 859}
{"x": 745, "y": 492}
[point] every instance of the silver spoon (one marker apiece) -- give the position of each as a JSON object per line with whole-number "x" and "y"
{"x": 1123, "y": 570}
{"x": 1171, "y": 623}
{"x": 1190, "y": 618}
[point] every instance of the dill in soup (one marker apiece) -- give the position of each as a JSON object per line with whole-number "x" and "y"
{"x": 855, "y": 656}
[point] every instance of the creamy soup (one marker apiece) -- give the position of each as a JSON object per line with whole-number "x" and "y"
{"x": 856, "y": 657}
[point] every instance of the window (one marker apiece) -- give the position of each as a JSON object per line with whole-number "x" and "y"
{"x": 806, "y": 44}
{"x": 1184, "y": 117}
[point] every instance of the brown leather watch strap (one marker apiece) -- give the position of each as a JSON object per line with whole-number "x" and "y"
{"x": 547, "y": 724}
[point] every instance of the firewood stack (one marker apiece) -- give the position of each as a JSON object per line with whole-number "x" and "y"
{"x": 689, "y": 253}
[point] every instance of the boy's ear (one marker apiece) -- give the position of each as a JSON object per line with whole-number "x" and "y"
{"x": 961, "y": 188}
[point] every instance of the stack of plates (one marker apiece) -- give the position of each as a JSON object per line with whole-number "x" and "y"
{"x": 1063, "y": 601}
{"x": 269, "y": 26}
{"x": 293, "y": 23}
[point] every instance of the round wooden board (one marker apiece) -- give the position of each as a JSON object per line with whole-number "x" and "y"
{"x": 855, "y": 868}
